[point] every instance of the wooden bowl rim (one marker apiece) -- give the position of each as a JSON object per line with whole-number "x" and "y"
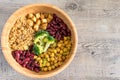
{"x": 46, "y": 75}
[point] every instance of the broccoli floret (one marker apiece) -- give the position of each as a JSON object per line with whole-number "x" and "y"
{"x": 42, "y": 41}
{"x": 48, "y": 40}
{"x": 37, "y": 49}
{"x": 41, "y": 33}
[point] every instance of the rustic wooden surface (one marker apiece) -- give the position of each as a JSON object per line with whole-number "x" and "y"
{"x": 98, "y": 27}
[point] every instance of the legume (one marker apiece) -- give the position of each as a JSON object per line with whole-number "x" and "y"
{"x": 21, "y": 38}
{"x": 55, "y": 56}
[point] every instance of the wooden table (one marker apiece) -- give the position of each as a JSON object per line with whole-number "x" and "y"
{"x": 98, "y": 27}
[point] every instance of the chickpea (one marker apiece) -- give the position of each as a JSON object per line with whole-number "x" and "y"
{"x": 49, "y": 50}
{"x": 63, "y": 57}
{"x": 61, "y": 41}
{"x": 55, "y": 61}
{"x": 55, "y": 51}
{"x": 65, "y": 38}
{"x": 34, "y": 19}
{"x": 59, "y": 45}
{"x": 48, "y": 20}
{"x": 49, "y": 68}
{"x": 58, "y": 49}
{"x": 38, "y": 58}
{"x": 67, "y": 56}
{"x": 44, "y": 26}
{"x": 46, "y": 15}
{"x": 40, "y": 61}
{"x": 50, "y": 16}
{"x": 48, "y": 59}
{"x": 46, "y": 56}
{"x": 47, "y": 64}
{"x": 52, "y": 59}
{"x": 61, "y": 51}
{"x": 59, "y": 63}
{"x": 54, "y": 45}
{"x": 42, "y": 16}
{"x": 52, "y": 55}
{"x": 65, "y": 49}
{"x": 68, "y": 38}
{"x": 60, "y": 59}
{"x": 37, "y": 15}
{"x": 53, "y": 67}
{"x": 49, "y": 53}
{"x": 35, "y": 57}
{"x": 30, "y": 15}
{"x": 42, "y": 69}
{"x": 30, "y": 22}
{"x": 41, "y": 55}
{"x": 38, "y": 22}
{"x": 45, "y": 69}
{"x": 36, "y": 27}
{"x": 65, "y": 42}
{"x": 56, "y": 64}
{"x": 68, "y": 46}
{"x": 40, "y": 64}
{"x": 44, "y": 20}
{"x": 51, "y": 63}
{"x": 59, "y": 55}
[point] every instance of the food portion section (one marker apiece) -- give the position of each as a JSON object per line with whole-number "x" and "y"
{"x": 40, "y": 41}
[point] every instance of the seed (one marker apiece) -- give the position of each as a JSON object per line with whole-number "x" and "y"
{"x": 46, "y": 56}
{"x": 55, "y": 51}
{"x": 58, "y": 49}
{"x": 30, "y": 15}
{"x": 60, "y": 59}
{"x": 49, "y": 68}
{"x": 53, "y": 67}
{"x": 52, "y": 59}
{"x": 47, "y": 64}
{"x": 44, "y": 26}
{"x": 30, "y": 22}
{"x": 65, "y": 49}
{"x": 56, "y": 64}
{"x": 40, "y": 61}
{"x": 45, "y": 69}
{"x": 44, "y": 20}
{"x": 37, "y": 15}
{"x": 59, "y": 45}
{"x": 51, "y": 63}
{"x": 38, "y": 22}
{"x": 63, "y": 57}
{"x": 52, "y": 55}
{"x": 36, "y": 27}
{"x": 55, "y": 61}
{"x": 34, "y": 19}
{"x": 59, "y": 63}
{"x": 42, "y": 16}
{"x": 35, "y": 57}
{"x": 38, "y": 58}
{"x": 41, "y": 55}
{"x": 50, "y": 16}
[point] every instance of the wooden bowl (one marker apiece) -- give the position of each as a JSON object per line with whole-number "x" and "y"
{"x": 34, "y": 8}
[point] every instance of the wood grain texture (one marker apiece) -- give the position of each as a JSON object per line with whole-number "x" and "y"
{"x": 98, "y": 27}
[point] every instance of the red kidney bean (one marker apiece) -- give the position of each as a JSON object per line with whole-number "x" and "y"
{"x": 26, "y": 59}
{"x": 20, "y": 62}
{"x": 17, "y": 56}
{"x": 52, "y": 33}
{"x": 36, "y": 70}
{"x": 57, "y": 28}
